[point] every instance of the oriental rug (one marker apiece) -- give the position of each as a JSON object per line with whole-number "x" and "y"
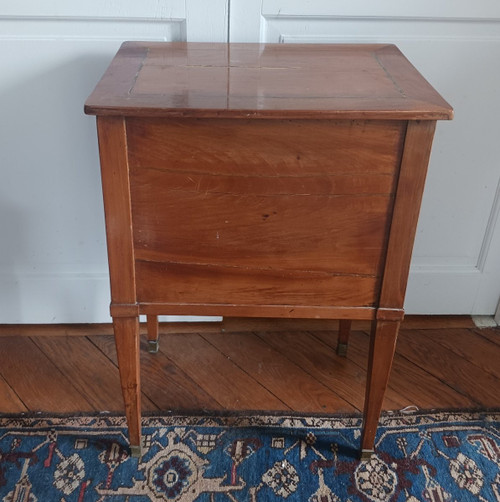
{"x": 433, "y": 457}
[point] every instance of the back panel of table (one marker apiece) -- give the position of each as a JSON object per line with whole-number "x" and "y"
{"x": 261, "y": 212}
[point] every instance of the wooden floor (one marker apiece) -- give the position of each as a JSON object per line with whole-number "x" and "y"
{"x": 249, "y": 365}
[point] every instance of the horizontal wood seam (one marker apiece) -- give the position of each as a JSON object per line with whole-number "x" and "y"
{"x": 279, "y": 271}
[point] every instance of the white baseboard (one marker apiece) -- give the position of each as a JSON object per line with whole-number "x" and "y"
{"x": 54, "y": 298}
{"x": 63, "y": 298}
{"x": 484, "y": 321}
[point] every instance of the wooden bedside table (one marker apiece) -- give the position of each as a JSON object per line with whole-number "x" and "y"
{"x": 262, "y": 181}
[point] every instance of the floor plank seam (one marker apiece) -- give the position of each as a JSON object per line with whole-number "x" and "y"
{"x": 185, "y": 375}
{"x": 247, "y": 373}
{"x": 312, "y": 376}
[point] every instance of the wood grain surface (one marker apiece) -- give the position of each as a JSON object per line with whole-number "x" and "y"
{"x": 336, "y": 234}
{"x": 117, "y": 208}
{"x": 468, "y": 378}
{"x": 267, "y": 148}
{"x": 38, "y": 379}
{"x": 409, "y": 193}
{"x": 10, "y": 402}
{"x": 73, "y": 358}
{"x": 265, "y": 80}
{"x": 163, "y": 383}
{"x": 271, "y": 204}
{"x": 219, "y": 375}
{"x": 281, "y": 376}
{"x": 321, "y": 362}
{"x": 408, "y": 384}
{"x": 440, "y": 369}
{"x": 200, "y": 284}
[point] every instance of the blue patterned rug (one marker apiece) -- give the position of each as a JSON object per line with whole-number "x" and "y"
{"x": 438, "y": 457}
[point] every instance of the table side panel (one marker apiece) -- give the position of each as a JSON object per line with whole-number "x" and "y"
{"x": 265, "y": 147}
{"x": 201, "y": 284}
{"x": 262, "y": 212}
{"x": 231, "y": 227}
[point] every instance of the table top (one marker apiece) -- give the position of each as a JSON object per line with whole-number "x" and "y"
{"x": 265, "y": 81}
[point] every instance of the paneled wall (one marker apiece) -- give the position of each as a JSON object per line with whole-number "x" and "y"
{"x": 52, "y": 249}
{"x": 53, "y": 265}
{"x": 456, "y": 45}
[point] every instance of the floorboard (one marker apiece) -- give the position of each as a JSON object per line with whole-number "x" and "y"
{"x": 9, "y": 399}
{"x": 493, "y": 335}
{"x": 321, "y": 362}
{"x": 460, "y": 374}
{"x": 294, "y": 386}
{"x": 467, "y": 345}
{"x": 72, "y": 356}
{"x": 268, "y": 365}
{"x": 36, "y": 379}
{"x": 409, "y": 383}
{"x": 218, "y": 375}
{"x": 167, "y": 386}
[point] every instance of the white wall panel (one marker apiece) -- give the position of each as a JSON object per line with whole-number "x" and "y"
{"x": 53, "y": 264}
{"x": 456, "y": 46}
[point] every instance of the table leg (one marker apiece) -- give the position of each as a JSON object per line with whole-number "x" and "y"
{"x": 152, "y": 322}
{"x": 343, "y": 337}
{"x": 127, "y": 348}
{"x": 382, "y": 346}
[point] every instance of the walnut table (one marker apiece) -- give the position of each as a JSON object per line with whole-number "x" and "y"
{"x": 262, "y": 181}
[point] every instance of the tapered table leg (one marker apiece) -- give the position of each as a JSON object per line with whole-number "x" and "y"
{"x": 153, "y": 332}
{"x": 343, "y": 337}
{"x": 382, "y": 346}
{"x": 127, "y": 347}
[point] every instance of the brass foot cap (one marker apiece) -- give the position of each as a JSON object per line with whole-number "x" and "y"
{"x": 342, "y": 349}
{"x": 135, "y": 451}
{"x": 153, "y": 346}
{"x": 366, "y": 454}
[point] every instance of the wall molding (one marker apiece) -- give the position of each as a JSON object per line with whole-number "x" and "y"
{"x": 423, "y": 8}
{"x": 88, "y": 18}
{"x": 286, "y": 38}
{"x": 490, "y": 229}
{"x": 418, "y": 19}
{"x": 387, "y": 28}
{"x": 24, "y": 27}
